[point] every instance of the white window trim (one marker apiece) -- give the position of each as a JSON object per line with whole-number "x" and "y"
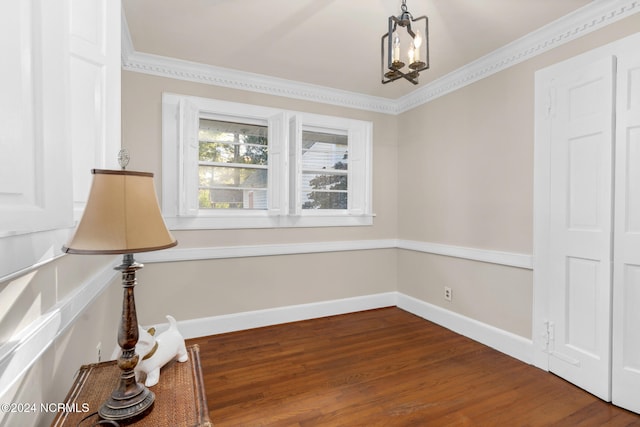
{"x": 180, "y": 123}
{"x": 359, "y": 172}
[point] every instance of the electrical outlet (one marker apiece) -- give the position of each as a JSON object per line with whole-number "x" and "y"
{"x": 99, "y": 349}
{"x": 447, "y": 293}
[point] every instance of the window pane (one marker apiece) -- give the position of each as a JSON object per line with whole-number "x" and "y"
{"x": 324, "y": 151}
{"x": 219, "y": 152}
{"x": 325, "y": 160}
{"x": 319, "y": 181}
{"x": 233, "y": 160}
{"x": 218, "y": 130}
{"x": 324, "y": 200}
{"x": 232, "y": 199}
{"x": 222, "y": 176}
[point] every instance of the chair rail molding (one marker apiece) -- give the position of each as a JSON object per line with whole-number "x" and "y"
{"x": 218, "y": 252}
{"x": 509, "y": 259}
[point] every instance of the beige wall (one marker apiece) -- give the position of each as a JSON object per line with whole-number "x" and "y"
{"x": 463, "y": 169}
{"x": 466, "y": 179}
{"x": 195, "y": 289}
{"x": 141, "y": 124}
{"x": 490, "y": 293}
{"x": 200, "y": 289}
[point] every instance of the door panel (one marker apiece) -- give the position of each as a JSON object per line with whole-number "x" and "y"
{"x": 626, "y": 303}
{"x": 580, "y": 254}
{"x": 584, "y": 169}
{"x": 582, "y": 288}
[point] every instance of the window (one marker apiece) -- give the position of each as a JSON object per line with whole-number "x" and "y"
{"x": 325, "y": 163}
{"x": 231, "y": 165}
{"x": 233, "y": 162}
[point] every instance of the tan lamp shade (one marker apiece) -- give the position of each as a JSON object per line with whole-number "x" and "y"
{"x": 122, "y": 216}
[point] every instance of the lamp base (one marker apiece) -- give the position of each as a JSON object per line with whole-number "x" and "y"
{"x": 129, "y": 409}
{"x": 130, "y": 400}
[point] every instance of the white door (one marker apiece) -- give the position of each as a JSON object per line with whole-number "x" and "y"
{"x": 579, "y": 255}
{"x": 626, "y": 304}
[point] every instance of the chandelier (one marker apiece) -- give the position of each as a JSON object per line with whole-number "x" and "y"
{"x": 405, "y": 47}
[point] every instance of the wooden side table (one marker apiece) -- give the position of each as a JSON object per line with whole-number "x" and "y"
{"x": 180, "y": 395}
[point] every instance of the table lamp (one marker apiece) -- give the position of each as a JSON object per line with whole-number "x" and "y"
{"x": 122, "y": 216}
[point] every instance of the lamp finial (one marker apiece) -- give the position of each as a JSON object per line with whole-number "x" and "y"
{"x": 123, "y": 158}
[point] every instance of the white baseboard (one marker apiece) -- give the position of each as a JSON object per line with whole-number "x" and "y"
{"x": 18, "y": 356}
{"x": 255, "y": 319}
{"x": 506, "y": 342}
{"x": 503, "y": 341}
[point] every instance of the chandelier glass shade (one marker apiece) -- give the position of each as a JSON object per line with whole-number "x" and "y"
{"x": 405, "y": 47}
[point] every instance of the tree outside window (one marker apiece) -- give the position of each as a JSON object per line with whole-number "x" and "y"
{"x": 325, "y": 162}
{"x": 233, "y": 162}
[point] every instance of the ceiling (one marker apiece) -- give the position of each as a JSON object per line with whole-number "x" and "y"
{"x": 332, "y": 43}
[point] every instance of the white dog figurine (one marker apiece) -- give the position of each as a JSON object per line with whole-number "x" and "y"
{"x": 154, "y": 352}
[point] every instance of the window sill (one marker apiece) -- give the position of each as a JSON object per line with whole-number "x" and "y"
{"x": 267, "y": 221}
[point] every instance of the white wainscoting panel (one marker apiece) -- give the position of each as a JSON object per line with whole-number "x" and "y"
{"x": 24, "y": 349}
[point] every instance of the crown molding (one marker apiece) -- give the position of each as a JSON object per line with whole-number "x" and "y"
{"x": 235, "y": 79}
{"x": 583, "y": 21}
{"x": 207, "y": 74}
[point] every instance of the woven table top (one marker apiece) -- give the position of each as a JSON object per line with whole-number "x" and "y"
{"x": 180, "y": 397}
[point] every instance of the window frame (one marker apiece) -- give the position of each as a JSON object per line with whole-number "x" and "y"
{"x": 180, "y": 125}
{"x": 358, "y": 174}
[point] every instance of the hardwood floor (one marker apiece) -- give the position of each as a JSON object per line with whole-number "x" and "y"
{"x": 383, "y": 367}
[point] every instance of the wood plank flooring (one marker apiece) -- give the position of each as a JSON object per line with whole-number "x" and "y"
{"x": 383, "y": 367}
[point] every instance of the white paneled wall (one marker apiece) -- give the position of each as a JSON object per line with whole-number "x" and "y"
{"x": 60, "y": 106}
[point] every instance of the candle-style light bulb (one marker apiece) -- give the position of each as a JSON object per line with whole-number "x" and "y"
{"x": 417, "y": 42}
{"x": 396, "y": 47}
{"x": 411, "y": 55}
